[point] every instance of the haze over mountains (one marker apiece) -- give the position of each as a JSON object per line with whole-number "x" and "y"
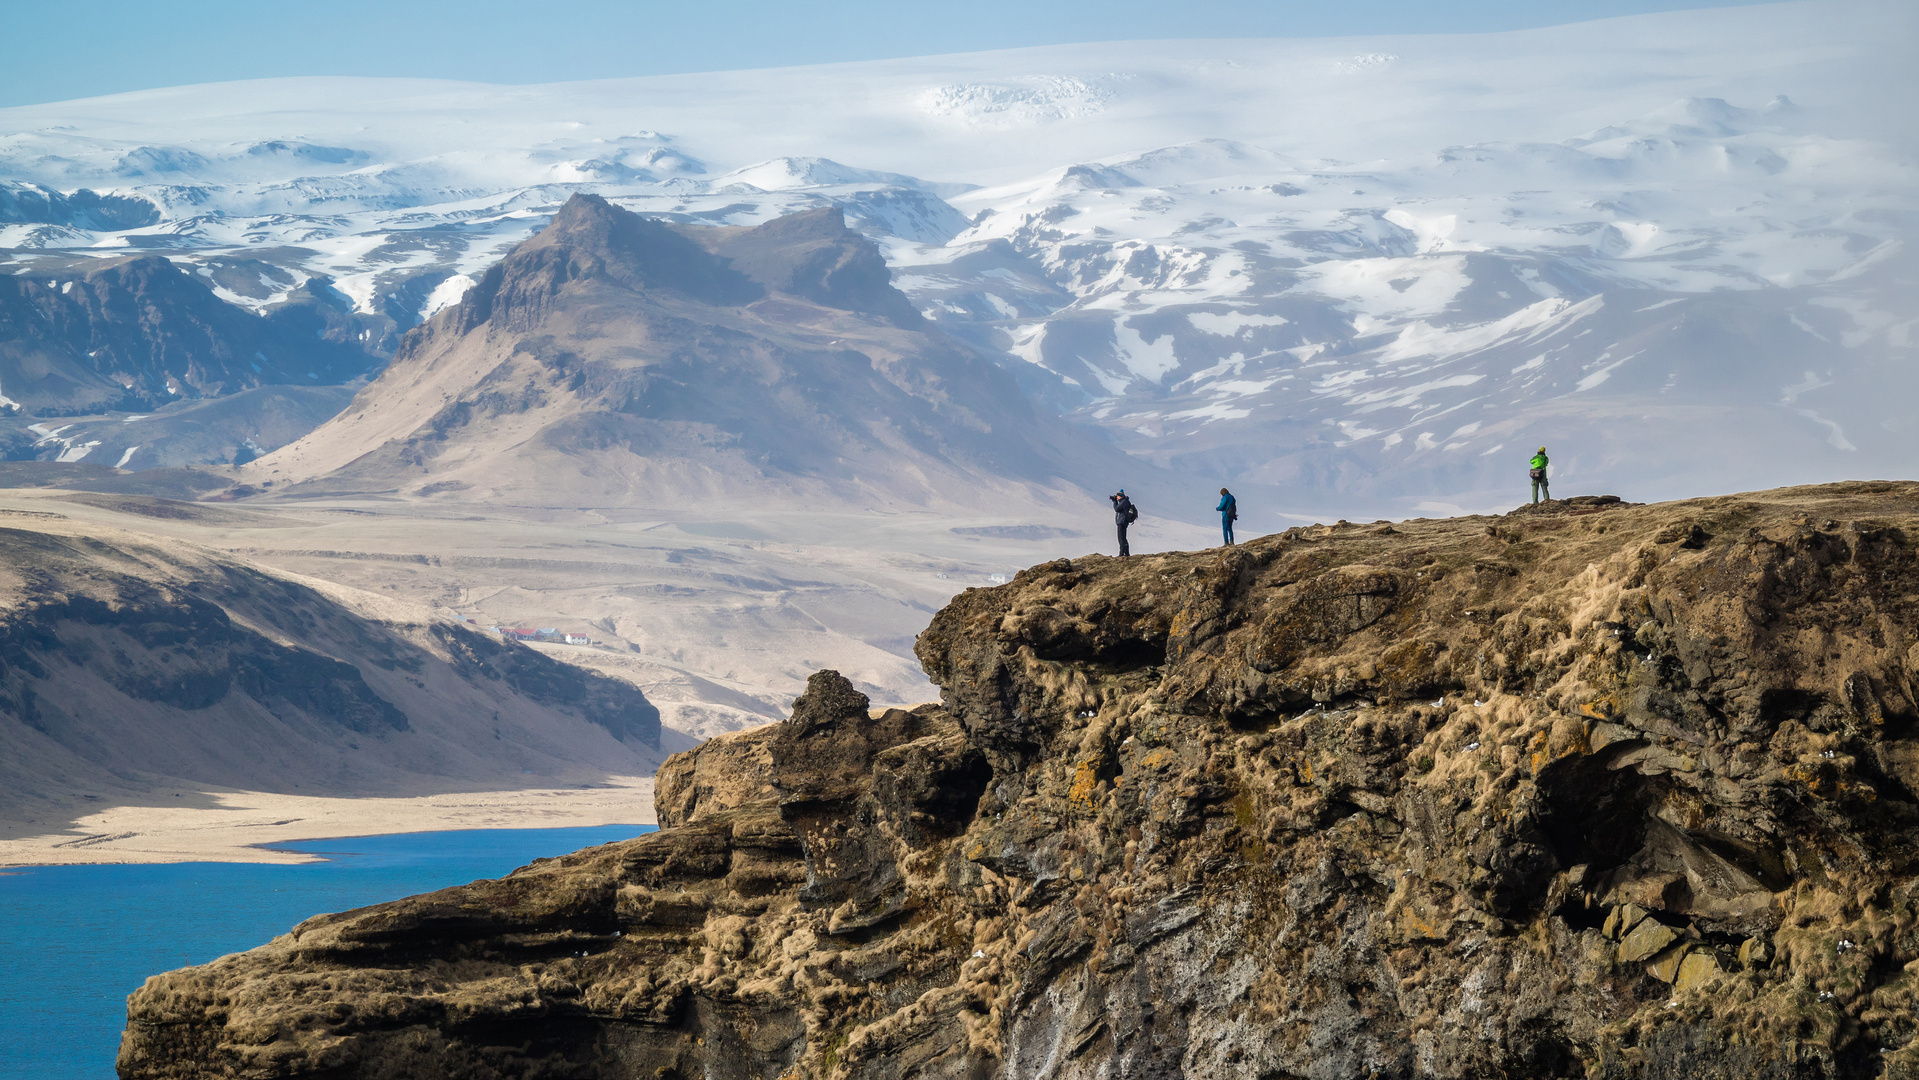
{"x": 1375, "y": 271}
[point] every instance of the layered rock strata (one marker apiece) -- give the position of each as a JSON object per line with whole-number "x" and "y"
{"x": 1594, "y": 790}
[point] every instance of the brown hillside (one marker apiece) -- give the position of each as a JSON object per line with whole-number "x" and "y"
{"x": 130, "y": 662}
{"x": 616, "y": 360}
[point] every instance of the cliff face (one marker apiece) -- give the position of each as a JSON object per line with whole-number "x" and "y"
{"x": 1596, "y": 791}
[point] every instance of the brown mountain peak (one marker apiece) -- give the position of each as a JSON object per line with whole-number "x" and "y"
{"x": 592, "y": 240}
{"x": 615, "y": 356}
{"x": 812, "y": 254}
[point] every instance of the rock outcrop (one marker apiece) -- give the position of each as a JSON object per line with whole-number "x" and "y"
{"x": 1591, "y": 790}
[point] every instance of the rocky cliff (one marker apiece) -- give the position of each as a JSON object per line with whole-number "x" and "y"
{"x": 1596, "y": 790}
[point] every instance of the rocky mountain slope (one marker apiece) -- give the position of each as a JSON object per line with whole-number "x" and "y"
{"x": 613, "y": 359}
{"x": 138, "y": 333}
{"x": 131, "y": 661}
{"x": 1595, "y": 790}
{"x": 57, "y": 211}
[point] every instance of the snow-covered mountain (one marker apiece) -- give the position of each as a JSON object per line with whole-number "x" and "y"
{"x": 140, "y": 334}
{"x": 615, "y": 361}
{"x": 1675, "y": 248}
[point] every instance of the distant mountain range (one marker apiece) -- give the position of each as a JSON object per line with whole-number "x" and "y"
{"x": 616, "y": 360}
{"x": 138, "y": 333}
{"x": 1373, "y": 273}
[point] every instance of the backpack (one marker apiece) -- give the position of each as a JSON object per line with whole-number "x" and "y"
{"x": 1234, "y": 515}
{"x": 1538, "y": 474}
{"x": 1132, "y": 512}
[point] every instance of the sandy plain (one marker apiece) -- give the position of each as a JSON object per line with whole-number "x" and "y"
{"x": 718, "y": 617}
{"x": 237, "y": 826}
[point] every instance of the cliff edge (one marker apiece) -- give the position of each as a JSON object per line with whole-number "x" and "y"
{"x": 1594, "y": 790}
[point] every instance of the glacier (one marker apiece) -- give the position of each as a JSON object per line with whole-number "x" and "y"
{"x": 1370, "y": 275}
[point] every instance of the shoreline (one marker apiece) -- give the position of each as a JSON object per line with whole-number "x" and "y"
{"x": 240, "y": 826}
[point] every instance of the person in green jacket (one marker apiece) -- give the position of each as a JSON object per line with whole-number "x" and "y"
{"x": 1538, "y": 474}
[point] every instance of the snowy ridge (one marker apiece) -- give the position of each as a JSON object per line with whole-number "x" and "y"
{"x": 1384, "y": 268}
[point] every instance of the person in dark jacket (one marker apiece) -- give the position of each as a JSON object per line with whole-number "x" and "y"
{"x": 1124, "y": 514}
{"x": 1228, "y": 513}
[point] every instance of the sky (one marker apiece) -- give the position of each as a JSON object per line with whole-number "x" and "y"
{"x": 85, "y": 48}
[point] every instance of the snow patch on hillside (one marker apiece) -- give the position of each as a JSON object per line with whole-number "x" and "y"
{"x": 1025, "y": 102}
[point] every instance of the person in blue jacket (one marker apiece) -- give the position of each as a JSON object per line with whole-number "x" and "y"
{"x": 1228, "y": 513}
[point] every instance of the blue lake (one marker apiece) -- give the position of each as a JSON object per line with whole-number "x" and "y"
{"x": 76, "y": 940}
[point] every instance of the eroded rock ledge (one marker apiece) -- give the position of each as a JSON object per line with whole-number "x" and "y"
{"x": 1596, "y": 791}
